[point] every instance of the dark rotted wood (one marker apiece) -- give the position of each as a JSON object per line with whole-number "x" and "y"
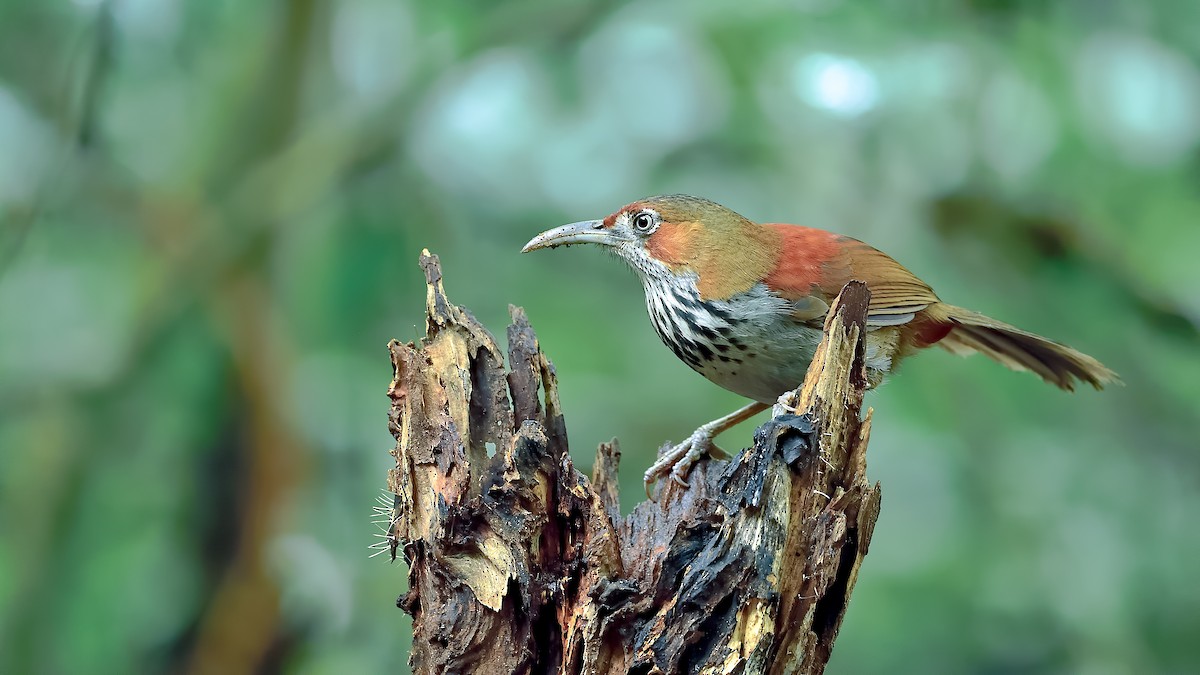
{"x": 518, "y": 563}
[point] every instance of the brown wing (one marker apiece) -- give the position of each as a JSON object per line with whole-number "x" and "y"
{"x": 896, "y": 294}
{"x": 815, "y": 265}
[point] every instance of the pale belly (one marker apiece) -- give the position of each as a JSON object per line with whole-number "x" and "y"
{"x": 749, "y": 344}
{"x": 771, "y": 363}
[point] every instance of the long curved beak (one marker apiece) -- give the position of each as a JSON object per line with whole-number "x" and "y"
{"x": 583, "y": 232}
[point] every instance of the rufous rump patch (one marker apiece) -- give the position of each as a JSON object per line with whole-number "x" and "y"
{"x": 930, "y": 332}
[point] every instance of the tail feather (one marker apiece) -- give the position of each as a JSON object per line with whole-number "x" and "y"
{"x": 1018, "y": 349}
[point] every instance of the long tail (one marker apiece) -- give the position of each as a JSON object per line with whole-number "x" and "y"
{"x": 1020, "y": 350}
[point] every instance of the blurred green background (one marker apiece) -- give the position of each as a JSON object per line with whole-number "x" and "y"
{"x": 211, "y": 213}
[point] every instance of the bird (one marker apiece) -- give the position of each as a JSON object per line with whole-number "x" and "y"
{"x": 744, "y": 303}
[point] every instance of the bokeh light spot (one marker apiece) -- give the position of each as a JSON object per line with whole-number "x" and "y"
{"x": 838, "y": 84}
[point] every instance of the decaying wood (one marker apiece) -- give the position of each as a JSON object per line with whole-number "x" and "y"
{"x": 520, "y": 564}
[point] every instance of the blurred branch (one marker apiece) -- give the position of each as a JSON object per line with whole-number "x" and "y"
{"x": 59, "y": 487}
{"x": 83, "y": 122}
{"x": 253, "y": 193}
{"x": 265, "y": 180}
{"x": 79, "y": 109}
{"x": 518, "y": 563}
{"x": 241, "y": 623}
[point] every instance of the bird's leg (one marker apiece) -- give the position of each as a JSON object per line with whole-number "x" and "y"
{"x": 678, "y": 460}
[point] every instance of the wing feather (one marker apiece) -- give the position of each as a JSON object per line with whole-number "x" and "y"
{"x": 817, "y": 264}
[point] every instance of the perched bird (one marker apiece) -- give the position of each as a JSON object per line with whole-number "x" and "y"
{"x": 744, "y": 303}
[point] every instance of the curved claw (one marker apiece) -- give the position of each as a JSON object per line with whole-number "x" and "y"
{"x": 678, "y": 460}
{"x": 650, "y": 478}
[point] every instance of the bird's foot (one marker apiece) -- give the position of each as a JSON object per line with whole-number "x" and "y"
{"x": 678, "y": 461}
{"x": 784, "y": 404}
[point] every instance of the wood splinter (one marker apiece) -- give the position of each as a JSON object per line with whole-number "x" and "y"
{"x": 518, "y": 563}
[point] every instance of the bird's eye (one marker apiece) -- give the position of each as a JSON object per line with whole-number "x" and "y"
{"x": 643, "y": 222}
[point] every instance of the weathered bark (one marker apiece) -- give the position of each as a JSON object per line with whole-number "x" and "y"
{"x": 520, "y": 564}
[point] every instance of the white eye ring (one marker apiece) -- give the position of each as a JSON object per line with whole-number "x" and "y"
{"x": 643, "y": 222}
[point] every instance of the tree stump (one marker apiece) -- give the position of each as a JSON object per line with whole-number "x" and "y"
{"x": 518, "y": 563}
